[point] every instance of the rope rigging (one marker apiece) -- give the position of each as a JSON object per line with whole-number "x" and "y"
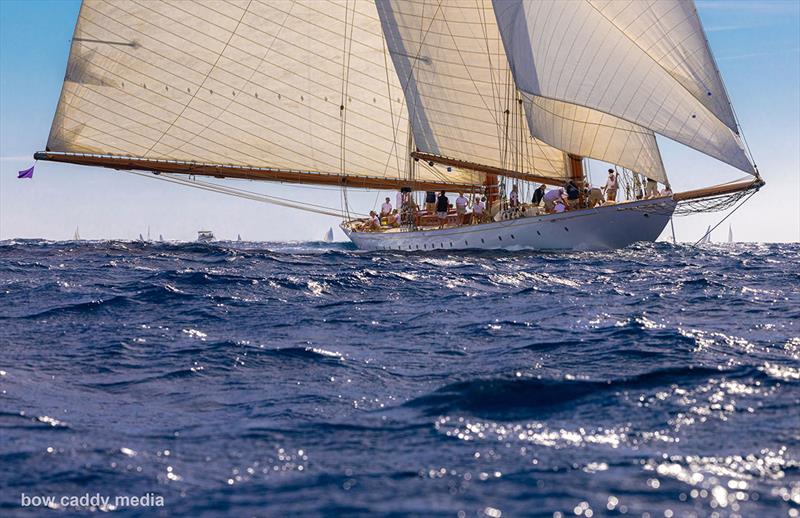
{"x": 244, "y": 194}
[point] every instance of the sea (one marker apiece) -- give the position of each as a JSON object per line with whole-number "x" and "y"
{"x": 311, "y": 379}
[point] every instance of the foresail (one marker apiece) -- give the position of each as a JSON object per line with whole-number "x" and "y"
{"x": 458, "y": 86}
{"x": 291, "y": 85}
{"x": 585, "y": 132}
{"x": 626, "y": 59}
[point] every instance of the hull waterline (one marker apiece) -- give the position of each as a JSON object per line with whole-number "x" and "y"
{"x": 602, "y": 228}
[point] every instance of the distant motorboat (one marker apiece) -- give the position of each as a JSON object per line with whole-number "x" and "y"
{"x": 328, "y": 238}
{"x": 205, "y": 236}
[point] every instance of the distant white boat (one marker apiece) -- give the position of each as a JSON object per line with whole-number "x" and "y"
{"x": 160, "y": 238}
{"x": 730, "y": 234}
{"x": 707, "y": 236}
{"x": 328, "y": 238}
{"x": 238, "y": 237}
{"x": 205, "y": 236}
{"x": 77, "y": 235}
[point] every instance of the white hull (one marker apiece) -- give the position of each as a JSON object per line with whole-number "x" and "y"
{"x": 601, "y": 228}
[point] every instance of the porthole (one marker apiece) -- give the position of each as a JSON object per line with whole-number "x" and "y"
{"x": 565, "y": 228}
{"x": 500, "y": 238}
{"x": 538, "y": 232}
{"x": 512, "y": 236}
{"x": 466, "y": 243}
{"x": 451, "y": 244}
{"x": 646, "y": 215}
{"x": 482, "y": 241}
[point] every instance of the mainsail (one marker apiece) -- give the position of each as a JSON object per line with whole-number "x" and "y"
{"x": 647, "y": 63}
{"x": 301, "y": 88}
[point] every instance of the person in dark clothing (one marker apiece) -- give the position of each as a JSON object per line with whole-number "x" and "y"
{"x": 572, "y": 194}
{"x": 442, "y": 205}
{"x": 538, "y": 194}
{"x": 430, "y": 202}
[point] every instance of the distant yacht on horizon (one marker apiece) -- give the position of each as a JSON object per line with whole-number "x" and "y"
{"x": 328, "y": 238}
{"x": 77, "y": 235}
{"x": 707, "y": 237}
{"x": 730, "y": 234}
{"x": 205, "y": 236}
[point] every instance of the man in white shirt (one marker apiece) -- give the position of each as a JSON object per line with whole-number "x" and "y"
{"x": 461, "y": 208}
{"x": 477, "y": 210}
{"x": 386, "y": 210}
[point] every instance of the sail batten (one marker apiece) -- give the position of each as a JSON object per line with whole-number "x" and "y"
{"x": 646, "y": 63}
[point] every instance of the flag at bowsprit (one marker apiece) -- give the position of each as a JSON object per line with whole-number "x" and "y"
{"x": 27, "y": 173}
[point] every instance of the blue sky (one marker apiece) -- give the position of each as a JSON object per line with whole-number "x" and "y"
{"x": 756, "y": 43}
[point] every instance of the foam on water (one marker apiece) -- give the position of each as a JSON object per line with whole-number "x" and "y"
{"x": 311, "y": 378}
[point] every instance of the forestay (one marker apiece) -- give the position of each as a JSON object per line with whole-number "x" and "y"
{"x": 645, "y": 62}
{"x": 298, "y": 85}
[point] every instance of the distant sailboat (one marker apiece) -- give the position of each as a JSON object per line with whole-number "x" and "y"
{"x": 707, "y": 236}
{"x": 77, "y": 235}
{"x": 730, "y": 234}
{"x": 328, "y": 238}
{"x": 238, "y": 237}
{"x": 141, "y": 238}
{"x": 160, "y": 238}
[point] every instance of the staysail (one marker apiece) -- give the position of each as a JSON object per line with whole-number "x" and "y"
{"x": 459, "y": 88}
{"x": 288, "y": 90}
{"x": 647, "y": 63}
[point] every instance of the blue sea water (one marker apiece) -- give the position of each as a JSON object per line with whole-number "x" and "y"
{"x": 311, "y": 379}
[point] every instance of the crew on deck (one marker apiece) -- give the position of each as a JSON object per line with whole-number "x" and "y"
{"x": 560, "y": 199}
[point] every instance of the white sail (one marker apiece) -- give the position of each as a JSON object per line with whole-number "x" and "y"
{"x": 458, "y": 86}
{"x": 299, "y": 85}
{"x": 591, "y": 133}
{"x": 644, "y": 62}
{"x": 730, "y": 234}
{"x": 707, "y": 236}
{"x": 77, "y": 235}
{"x": 328, "y": 238}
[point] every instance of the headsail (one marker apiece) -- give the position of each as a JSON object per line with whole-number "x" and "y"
{"x": 298, "y": 86}
{"x": 461, "y": 95}
{"x": 645, "y": 62}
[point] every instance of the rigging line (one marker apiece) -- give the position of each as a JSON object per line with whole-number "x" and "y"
{"x": 253, "y": 71}
{"x": 239, "y": 193}
{"x": 214, "y": 66}
{"x": 726, "y": 217}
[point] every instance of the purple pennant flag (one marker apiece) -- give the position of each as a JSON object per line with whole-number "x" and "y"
{"x": 27, "y": 173}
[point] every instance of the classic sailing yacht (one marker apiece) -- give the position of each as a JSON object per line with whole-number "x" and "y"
{"x": 412, "y": 96}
